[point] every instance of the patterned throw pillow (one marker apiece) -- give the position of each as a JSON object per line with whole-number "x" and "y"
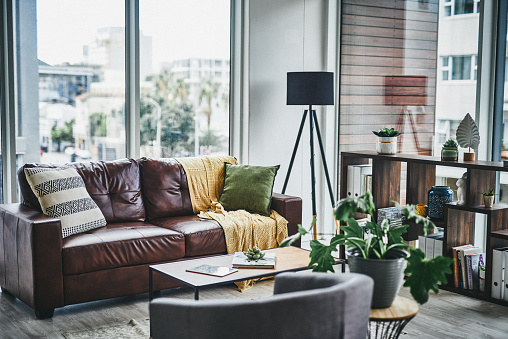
{"x": 62, "y": 195}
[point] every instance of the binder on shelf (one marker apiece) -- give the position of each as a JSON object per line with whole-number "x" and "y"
{"x": 350, "y": 181}
{"x": 438, "y": 245}
{"x": 357, "y": 179}
{"x": 498, "y": 267}
{"x": 421, "y": 242}
{"x": 505, "y": 284}
{"x": 430, "y": 244}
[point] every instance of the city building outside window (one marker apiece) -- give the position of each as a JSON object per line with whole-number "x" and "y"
{"x": 187, "y": 89}
{"x": 460, "y": 67}
{"x": 459, "y": 7}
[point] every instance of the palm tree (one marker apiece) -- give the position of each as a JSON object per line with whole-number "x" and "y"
{"x": 208, "y": 90}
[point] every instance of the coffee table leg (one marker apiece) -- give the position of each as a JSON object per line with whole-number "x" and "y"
{"x": 150, "y": 284}
{"x": 196, "y": 293}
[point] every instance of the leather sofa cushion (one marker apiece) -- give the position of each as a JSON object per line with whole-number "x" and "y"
{"x": 119, "y": 245}
{"x": 202, "y": 236}
{"x": 165, "y": 189}
{"x": 115, "y": 186}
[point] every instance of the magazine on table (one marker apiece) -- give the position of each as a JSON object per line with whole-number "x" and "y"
{"x": 218, "y": 271}
{"x": 240, "y": 260}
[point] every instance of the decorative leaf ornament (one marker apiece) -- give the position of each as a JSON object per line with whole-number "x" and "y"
{"x": 467, "y": 133}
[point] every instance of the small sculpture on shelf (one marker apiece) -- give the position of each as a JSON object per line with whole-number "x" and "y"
{"x": 461, "y": 189}
{"x": 468, "y": 136}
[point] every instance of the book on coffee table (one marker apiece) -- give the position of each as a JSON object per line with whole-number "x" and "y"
{"x": 218, "y": 271}
{"x": 241, "y": 261}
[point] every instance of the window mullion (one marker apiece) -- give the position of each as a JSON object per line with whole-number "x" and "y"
{"x": 7, "y": 99}
{"x": 132, "y": 79}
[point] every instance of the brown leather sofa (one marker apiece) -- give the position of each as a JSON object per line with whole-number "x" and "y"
{"x": 149, "y": 217}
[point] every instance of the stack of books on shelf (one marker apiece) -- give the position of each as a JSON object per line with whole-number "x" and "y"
{"x": 359, "y": 180}
{"x": 499, "y": 287}
{"x": 469, "y": 267}
{"x": 432, "y": 244}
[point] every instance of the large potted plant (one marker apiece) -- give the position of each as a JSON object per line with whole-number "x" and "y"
{"x": 386, "y": 140}
{"x": 383, "y": 255}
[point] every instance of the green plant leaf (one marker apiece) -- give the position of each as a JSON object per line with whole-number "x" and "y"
{"x": 301, "y": 232}
{"x": 366, "y": 203}
{"x": 352, "y": 229}
{"x": 425, "y": 274}
{"x": 395, "y": 234}
{"x": 345, "y": 208}
{"x": 321, "y": 257}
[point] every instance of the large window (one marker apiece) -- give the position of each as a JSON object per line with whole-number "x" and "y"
{"x": 71, "y": 79}
{"x": 81, "y": 68}
{"x": 185, "y": 77}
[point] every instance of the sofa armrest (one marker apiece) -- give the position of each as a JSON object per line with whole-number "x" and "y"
{"x": 31, "y": 256}
{"x": 291, "y": 209}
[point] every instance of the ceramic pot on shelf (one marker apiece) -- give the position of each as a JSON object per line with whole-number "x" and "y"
{"x": 438, "y": 196}
{"x": 449, "y": 153}
{"x": 386, "y": 145}
{"x": 488, "y": 201}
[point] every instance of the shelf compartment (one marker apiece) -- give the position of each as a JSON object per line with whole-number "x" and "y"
{"x": 502, "y": 234}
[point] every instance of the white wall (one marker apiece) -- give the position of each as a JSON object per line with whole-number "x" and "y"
{"x": 284, "y": 36}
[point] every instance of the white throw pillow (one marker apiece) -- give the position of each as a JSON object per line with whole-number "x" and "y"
{"x": 62, "y": 194}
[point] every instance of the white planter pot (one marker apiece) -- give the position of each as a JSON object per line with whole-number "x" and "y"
{"x": 386, "y": 145}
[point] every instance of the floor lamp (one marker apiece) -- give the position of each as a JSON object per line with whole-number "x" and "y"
{"x": 310, "y": 88}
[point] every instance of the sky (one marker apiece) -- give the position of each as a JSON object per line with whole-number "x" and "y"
{"x": 179, "y": 29}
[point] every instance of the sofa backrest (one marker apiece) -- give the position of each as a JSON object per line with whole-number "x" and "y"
{"x": 165, "y": 189}
{"x": 115, "y": 186}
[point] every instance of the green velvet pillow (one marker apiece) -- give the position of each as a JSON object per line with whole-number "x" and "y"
{"x": 249, "y": 188}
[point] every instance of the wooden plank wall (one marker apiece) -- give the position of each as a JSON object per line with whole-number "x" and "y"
{"x": 383, "y": 41}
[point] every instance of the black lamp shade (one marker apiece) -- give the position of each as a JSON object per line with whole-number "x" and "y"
{"x": 310, "y": 88}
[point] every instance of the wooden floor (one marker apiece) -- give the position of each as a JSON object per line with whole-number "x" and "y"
{"x": 446, "y": 315}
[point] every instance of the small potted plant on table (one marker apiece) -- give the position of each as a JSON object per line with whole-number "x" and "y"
{"x": 488, "y": 198}
{"x": 386, "y": 140}
{"x": 450, "y": 151}
{"x": 383, "y": 255}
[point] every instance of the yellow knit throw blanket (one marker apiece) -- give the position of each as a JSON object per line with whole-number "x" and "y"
{"x": 243, "y": 230}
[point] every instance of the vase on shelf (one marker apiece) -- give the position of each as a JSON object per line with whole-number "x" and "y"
{"x": 488, "y": 200}
{"x": 438, "y": 196}
{"x": 386, "y": 145}
{"x": 449, "y": 153}
{"x": 469, "y": 156}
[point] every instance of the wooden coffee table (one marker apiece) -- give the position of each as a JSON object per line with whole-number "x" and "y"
{"x": 288, "y": 259}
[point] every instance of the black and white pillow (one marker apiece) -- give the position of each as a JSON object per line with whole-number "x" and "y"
{"x": 62, "y": 195}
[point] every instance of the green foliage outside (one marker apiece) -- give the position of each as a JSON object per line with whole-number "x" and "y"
{"x": 98, "y": 125}
{"x": 172, "y": 95}
{"x": 60, "y": 135}
{"x": 177, "y": 126}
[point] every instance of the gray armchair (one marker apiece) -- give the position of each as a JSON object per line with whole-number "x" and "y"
{"x": 304, "y": 305}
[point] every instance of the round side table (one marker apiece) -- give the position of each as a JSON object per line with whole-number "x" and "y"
{"x": 388, "y": 322}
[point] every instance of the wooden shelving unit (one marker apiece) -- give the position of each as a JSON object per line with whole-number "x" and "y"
{"x": 459, "y": 220}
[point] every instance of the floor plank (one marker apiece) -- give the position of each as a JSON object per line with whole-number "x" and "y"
{"x": 446, "y": 315}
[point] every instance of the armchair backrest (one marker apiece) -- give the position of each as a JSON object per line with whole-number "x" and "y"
{"x": 305, "y": 305}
